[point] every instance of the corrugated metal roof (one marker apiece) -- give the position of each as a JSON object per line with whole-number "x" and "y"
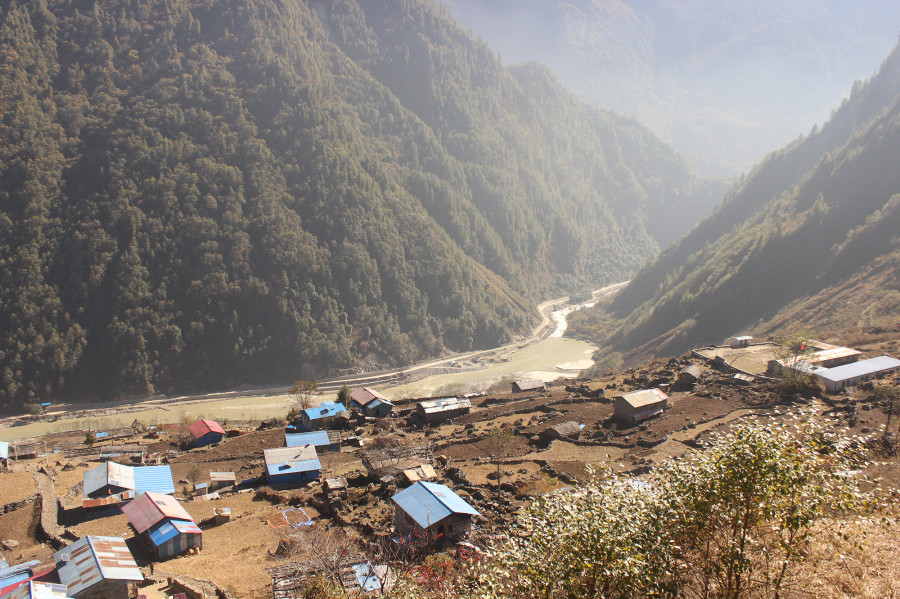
{"x": 444, "y": 404}
{"x": 109, "y": 500}
{"x": 364, "y": 395}
{"x": 314, "y": 438}
{"x": 367, "y": 577}
{"x": 39, "y": 590}
{"x": 288, "y": 460}
{"x": 109, "y": 473}
{"x": 221, "y": 476}
{"x": 154, "y": 478}
{"x": 203, "y": 427}
{"x": 102, "y": 435}
{"x": 91, "y": 560}
{"x": 639, "y": 399}
{"x": 150, "y": 508}
{"x": 4, "y": 450}
{"x": 528, "y": 385}
{"x": 832, "y": 354}
{"x": 170, "y": 528}
{"x": 856, "y": 369}
{"x": 326, "y": 409}
{"x": 429, "y": 503}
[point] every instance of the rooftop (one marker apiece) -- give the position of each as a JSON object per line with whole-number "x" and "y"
{"x": 91, "y": 560}
{"x": 204, "y": 427}
{"x": 444, "y": 404}
{"x": 639, "y": 399}
{"x": 429, "y": 503}
{"x": 287, "y": 460}
{"x": 364, "y": 395}
{"x": 861, "y": 368}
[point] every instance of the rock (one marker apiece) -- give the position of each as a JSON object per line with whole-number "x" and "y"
{"x": 9, "y": 544}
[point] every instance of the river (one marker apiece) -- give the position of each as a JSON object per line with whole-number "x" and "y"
{"x": 547, "y": 359}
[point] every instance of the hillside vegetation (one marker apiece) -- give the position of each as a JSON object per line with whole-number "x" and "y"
{"x": 195, "y": 194}
{"x": 808, "y": 239}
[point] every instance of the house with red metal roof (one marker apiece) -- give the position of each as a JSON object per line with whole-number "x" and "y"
{"x": 206, "y": 432}
{"x": 164, "y": 524}
{"x": 370, "y": 402}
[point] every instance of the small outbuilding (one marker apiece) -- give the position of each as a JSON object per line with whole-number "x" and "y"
{"x": 291, "y": 465}
{"x": 4, "y": 453}
{"x": 636, "y": 406}
{"x": 206, "y": 432}
{"x": 444, "y": 408}
{"x": 528, "y": 385}
{"x": 429, "y": 511}
{"x": 220, "y": 480}
{"x": 322, "y": 440}
{"x": 689, "y": 375}
{"x": 565, "y": 430}
{"x": 370, "y": 402}
{"x": 98, "y": 568}
{"x": 742, "y": 341}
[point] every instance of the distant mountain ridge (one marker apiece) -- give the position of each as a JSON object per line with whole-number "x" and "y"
{"x": 195, "y": 194}
{"x": 809, "y": 240}
{"x": 725, "y": 82}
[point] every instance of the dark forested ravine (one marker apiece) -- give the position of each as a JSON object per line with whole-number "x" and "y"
{"x": 197, "y": 194}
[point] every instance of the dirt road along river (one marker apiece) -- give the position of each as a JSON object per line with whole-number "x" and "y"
{"x": 545, "y": 355}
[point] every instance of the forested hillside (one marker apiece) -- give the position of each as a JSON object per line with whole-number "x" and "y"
{"x": 809, "y": 240}
{"x": 195, "y": 194}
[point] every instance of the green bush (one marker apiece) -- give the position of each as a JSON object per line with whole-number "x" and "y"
{"x": 730, "y": 520}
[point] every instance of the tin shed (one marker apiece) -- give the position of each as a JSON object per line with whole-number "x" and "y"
{"x": 639, "y": 405}
{"x": 97, "y": 568}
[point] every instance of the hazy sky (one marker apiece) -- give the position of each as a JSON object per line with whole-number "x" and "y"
{"x": 724, "y": 81}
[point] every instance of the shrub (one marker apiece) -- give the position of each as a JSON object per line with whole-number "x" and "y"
{"x": 730, "y": 521}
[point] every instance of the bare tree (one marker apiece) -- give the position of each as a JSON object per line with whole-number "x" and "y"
{"x": 301, "y": 392}
{"x": 497, "y": 445}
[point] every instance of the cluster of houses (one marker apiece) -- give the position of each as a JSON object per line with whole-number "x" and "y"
{"x": 99, "y": 567}
{"x": 835, "y": 367}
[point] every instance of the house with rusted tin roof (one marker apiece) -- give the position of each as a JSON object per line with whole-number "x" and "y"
{"x": 97, "y": 568}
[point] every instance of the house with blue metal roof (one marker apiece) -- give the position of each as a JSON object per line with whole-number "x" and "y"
{"x": 13, "y": 576}
{"x": 321, "y": 416}
{"x": 111, "y": 478}
{"x": 429, "y": 512}
{"x": 321, "y": 440}
{"x": 291, "y": 465}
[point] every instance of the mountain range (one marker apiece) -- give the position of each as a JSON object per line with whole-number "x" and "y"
{"x": 725, "y": 82}
{"x": 196, "y": 194}
{"x": 807, "y": 242}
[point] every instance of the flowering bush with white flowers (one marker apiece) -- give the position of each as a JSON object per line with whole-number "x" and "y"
{"x": 730, "y": 520}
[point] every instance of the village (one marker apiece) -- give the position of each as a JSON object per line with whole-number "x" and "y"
{"x": 363, "y": 490}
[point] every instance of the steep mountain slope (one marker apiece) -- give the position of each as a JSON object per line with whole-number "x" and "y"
{"x": 196, "y": 193}
{"x": 725, "y": 82}
{"x": 808, "y": 239}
